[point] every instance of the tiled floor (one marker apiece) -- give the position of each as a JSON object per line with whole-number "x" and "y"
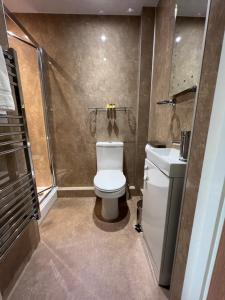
{"x": 81, "y": 257}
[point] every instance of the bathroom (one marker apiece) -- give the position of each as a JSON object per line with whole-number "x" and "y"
{"x": 120, "y": 117}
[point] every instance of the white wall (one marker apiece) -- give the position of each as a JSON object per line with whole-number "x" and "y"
{"x": 210, "y": 209}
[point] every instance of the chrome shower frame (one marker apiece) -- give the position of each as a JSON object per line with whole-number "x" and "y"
{"x": 42, "y": 71}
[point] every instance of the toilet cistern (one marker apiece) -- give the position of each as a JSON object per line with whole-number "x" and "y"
{"x": 110, "y": 182}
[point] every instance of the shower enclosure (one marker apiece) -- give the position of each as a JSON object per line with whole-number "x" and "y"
{"x": 31, "y": 66}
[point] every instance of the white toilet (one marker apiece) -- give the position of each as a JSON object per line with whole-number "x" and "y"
{"x": 110, "y": 182}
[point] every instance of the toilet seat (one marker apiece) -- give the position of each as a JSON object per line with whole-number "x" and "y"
{"x": 109, "y": 181}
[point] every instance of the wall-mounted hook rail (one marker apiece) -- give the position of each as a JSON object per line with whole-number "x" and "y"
{"x": 125, "y": 109}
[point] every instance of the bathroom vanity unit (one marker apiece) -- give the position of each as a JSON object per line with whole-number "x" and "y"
{"x": 163, "y": 185}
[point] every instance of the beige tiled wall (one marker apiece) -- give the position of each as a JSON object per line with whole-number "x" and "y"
{"x": 160, "y": 115}
{"x": 3, "y": 33}
{"x": 144, "y": 89}
{"x": 86, "y": 72}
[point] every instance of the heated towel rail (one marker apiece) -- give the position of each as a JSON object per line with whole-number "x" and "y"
{"x": 18, "y": 194}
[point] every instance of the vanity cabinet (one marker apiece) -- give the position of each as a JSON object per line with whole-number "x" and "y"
{"x": 161, "y": 208}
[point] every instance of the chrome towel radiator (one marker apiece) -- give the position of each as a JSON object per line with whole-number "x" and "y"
{"x": 18, "y": 195}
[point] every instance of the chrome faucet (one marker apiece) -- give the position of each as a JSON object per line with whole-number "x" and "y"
{"x": 184, "y": 145}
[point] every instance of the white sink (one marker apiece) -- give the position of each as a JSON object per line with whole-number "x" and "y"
{"x": 167, "y": 160}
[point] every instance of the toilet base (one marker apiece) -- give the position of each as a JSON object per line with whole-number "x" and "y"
{"x": 110, "y": 209}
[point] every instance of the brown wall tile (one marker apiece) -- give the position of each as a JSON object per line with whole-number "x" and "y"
{"x": 3, "y": 33}
{"x": 17, "y": 257}
{"x": 217, "y": 287}
{"x": 144, "y": 89}
{"x": 160, "y": 115}
{"x": 80, "y": 78}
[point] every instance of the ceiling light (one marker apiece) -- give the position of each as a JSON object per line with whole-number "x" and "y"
{"x": 130, "y": 10}
{"x": 105, "y": 59}
{"x": 103, "y": 38}
{"x": 101, "y": 12}
{"x": 178, "y": 39}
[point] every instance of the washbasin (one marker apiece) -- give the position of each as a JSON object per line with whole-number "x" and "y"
{"x": 167, "y": 160}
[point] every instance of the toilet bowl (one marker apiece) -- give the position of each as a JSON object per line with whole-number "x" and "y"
{"x": 110, "y": 185}
{"x": 110, "y": 182}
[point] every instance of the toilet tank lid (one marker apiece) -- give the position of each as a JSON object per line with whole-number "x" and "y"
{"x": 109, "y": 144}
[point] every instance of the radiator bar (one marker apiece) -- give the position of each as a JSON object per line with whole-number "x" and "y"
{"x": 15, "y": 235}
{"x": 12, "y": 150}
{"x": 19, "y": 198}
{"x": 15, "y": 190}
{"x": 12, "y": 133}
{"x": 9, "y": 186}
{"x": 10, "y": 117}
{"x": 12, "y": 142}
{"x": 7, "y": 226}
{"x": 11, "y": 125}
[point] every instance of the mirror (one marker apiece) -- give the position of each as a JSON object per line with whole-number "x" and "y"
{"x": 188, "y": 43}
{"x": 186, "y": 63}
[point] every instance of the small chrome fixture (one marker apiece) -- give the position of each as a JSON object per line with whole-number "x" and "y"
{"x": 184, "y": 145}
{"x": 168, "y": 101}
{"x": 116, "y": 108}
{"x": 173, "y": 101}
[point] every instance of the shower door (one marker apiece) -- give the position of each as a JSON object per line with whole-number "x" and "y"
{"x": 29, "y": 60}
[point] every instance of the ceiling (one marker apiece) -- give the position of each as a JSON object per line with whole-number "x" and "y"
{"x": 104, "y": 7}
{"x": 189, "y": 8}
{"x": 192, "y": 8}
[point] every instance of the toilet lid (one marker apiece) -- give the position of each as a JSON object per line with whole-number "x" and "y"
{"x": 109, "y": 180}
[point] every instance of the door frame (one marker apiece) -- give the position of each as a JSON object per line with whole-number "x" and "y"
{"x": 210, "y": 209}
